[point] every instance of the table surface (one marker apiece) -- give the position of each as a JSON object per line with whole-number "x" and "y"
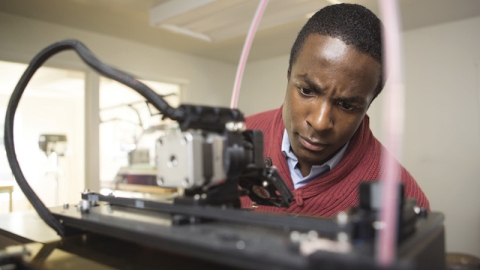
{"x": 6, "y": 188}
{"x": 28, "y": 227}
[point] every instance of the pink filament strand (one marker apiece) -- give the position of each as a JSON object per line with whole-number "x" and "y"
{"x": 393, "y": 121}
{"x": 246, "y": 49}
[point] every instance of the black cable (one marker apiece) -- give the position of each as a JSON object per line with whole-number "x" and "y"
{"x": 92, "y": 61}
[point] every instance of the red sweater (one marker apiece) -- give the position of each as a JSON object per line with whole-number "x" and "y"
{"x": 336, "y": 190}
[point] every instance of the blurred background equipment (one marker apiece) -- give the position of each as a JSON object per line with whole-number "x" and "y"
{"x": 462, "y": 261}
{"x": 54, "y": 146}
{"x": 140, "y": 125}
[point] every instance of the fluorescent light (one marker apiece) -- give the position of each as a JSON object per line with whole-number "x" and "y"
{"x": 334, "y": 2}
{"x": 185, "y": 31}
{"x": 165, "y": 11}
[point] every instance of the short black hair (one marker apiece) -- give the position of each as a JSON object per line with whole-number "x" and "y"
{"x": 353, "y": 24}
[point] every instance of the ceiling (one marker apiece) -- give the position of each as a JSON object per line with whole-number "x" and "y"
{"x": 130, "y": 19}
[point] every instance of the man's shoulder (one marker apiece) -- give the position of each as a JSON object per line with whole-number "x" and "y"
{"x": 264, "y": 114}
{"x": 263, "y": 119}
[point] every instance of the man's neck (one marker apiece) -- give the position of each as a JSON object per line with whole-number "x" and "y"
{"x": 303, "y": 171}
{"x": 304, "y": 168}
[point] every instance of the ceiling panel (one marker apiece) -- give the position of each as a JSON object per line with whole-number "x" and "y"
{"x": 220, "y": 20}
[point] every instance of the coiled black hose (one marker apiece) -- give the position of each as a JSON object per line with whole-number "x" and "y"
{"x": 92, "y": 61}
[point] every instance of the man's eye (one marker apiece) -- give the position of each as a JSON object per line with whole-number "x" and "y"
{"x": 346, "y": 106}
{"x": 305, "y": 92}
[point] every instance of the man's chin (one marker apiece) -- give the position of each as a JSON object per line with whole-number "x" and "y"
{"x": 314, "y": 158}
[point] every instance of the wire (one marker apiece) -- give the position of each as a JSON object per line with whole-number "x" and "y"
{"x": 102, "y": 68}
{"x": 394, "y": 111}
{"x": 246, "y": 50}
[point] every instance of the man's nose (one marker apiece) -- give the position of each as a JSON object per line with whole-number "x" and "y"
{"x": 320, "y": 117}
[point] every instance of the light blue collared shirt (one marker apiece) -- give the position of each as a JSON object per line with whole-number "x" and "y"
{"x": 317, "y": 170}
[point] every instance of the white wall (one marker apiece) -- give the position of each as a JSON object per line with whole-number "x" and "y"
{"x": 442, "y": 136}
{"x": 203, "y": 81}
{"x": 264, "y": 84}
{"x": 442, "y": 140}
{"x": 206, "y": 81}
{"x": 54, "y": 116}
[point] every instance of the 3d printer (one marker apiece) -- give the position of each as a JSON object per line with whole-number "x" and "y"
{"x": 215, "y": 160}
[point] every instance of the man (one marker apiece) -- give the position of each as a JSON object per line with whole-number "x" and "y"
{"x": 320, "y": 140}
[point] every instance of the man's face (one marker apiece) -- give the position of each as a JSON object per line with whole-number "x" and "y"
{"x": 330, "y": 87}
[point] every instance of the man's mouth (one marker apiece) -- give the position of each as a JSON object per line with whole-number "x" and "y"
{"x": 311, "y": 145}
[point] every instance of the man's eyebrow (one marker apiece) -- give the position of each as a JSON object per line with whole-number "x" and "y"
{"x": 310, "y": 83}
{"x": 312, "y": 86}
{"x": 354, "y": 99}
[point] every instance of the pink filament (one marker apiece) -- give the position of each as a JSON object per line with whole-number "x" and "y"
{"x": 394, "y": 120}
{"x": 246, "y": 49}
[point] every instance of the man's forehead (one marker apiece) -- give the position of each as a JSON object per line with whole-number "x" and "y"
{"x": 329, "y": 48}
{"x": 327, "y": 62}
{"x": 332, "y": 51}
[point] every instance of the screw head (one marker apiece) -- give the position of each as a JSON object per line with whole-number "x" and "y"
{"x": 160, "y": 181}
{"x": 186, "y": 182}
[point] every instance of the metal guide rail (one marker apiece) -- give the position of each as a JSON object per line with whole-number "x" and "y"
{"x": 111, "y": 235}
